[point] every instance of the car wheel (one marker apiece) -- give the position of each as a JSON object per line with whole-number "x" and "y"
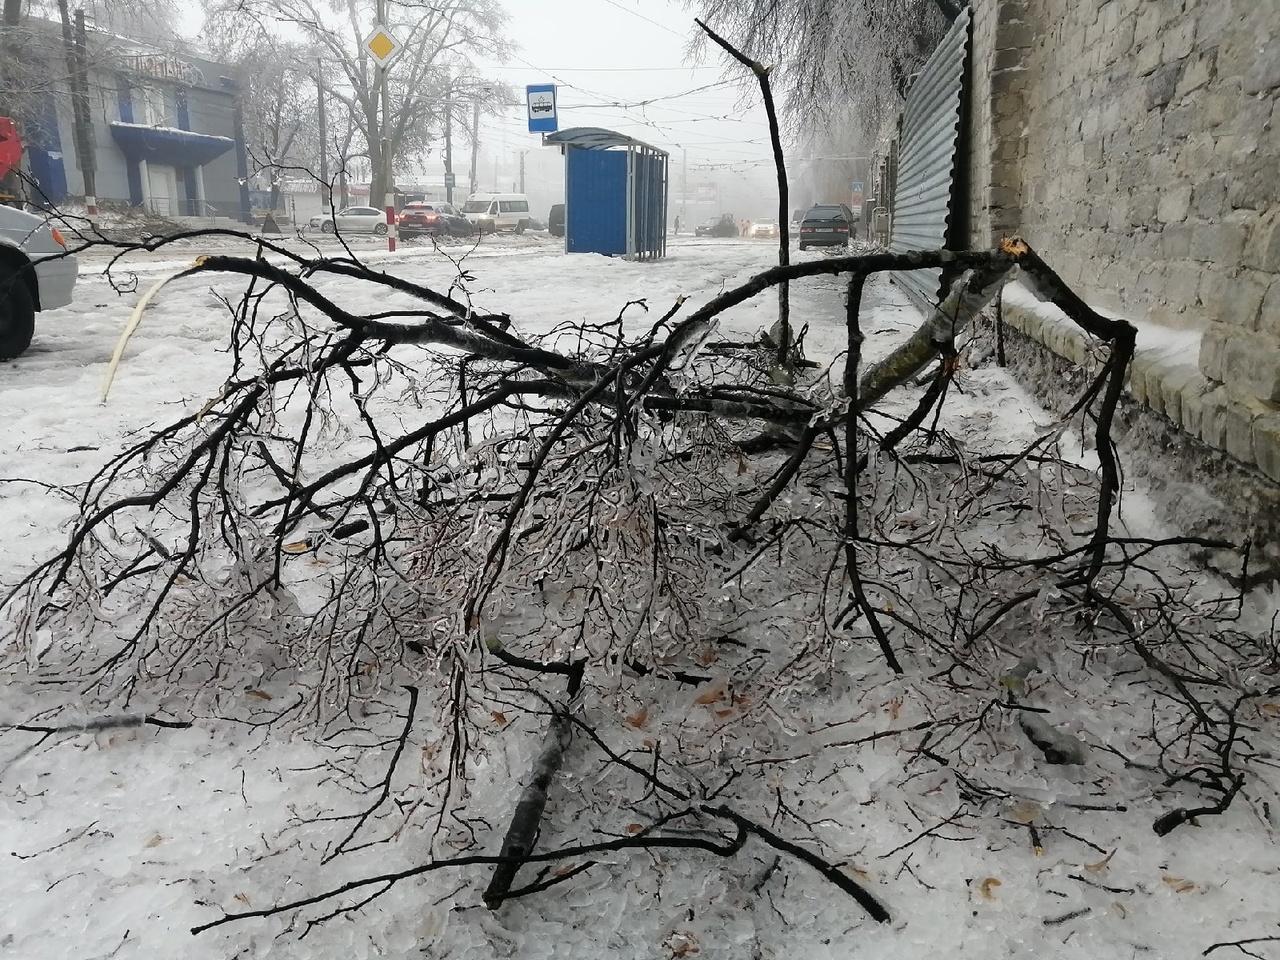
{"x": 326, "y": 227}
{"x": 380, "y": 229}
{"x": 520, "y": 226}
{"x": 804, "y": 246}
{"x": 17, "y": 315}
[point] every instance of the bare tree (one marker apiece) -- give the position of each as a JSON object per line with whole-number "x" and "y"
{"x": 279, "y": 80}
{"x": 834, "y": 60}
{"x": 434, "y": 39}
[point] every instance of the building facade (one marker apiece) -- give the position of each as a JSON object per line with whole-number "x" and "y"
{"x": 164, "y": 131}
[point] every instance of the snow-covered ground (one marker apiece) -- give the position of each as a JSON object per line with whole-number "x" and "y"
{"x": 117, "y": 842}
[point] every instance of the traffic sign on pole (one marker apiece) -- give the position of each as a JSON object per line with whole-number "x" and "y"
{"x": 382, "y": 44}
{"x": 541, "y": 98}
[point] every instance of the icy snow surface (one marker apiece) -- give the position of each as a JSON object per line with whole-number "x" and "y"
{"x": 115, "y": 843}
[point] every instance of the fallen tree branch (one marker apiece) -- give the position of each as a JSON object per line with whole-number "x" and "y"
{"x": 522, "y": 833}
{"x": 640, "y": 841}
{"x": 875, "y": 909}
{"x": 761, "y": 73}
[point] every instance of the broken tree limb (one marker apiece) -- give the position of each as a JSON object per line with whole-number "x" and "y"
{"x": 865, "y": 898}
{"x": 968, "y": 296}
{"x": 522, "y": 833}
{"x": 1122, "y": 335}
{"x": 853, "y": 360}
{"x": 761, "y": 73}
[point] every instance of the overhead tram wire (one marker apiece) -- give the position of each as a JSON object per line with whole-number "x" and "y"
{"x": 611, "y": 69}
{"x": 634, "y": 13}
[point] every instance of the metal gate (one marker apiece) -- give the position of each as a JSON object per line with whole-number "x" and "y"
{"x": 931, "y": 152}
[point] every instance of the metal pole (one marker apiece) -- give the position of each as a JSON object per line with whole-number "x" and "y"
{"x": 684, "y": 188}
{"x": 389, "y": 197}
{"x": 326, "y": 195}
{"x": 522, "y": 153}
{"x": 448, "y": 142}
{"x": 475, "y": 141}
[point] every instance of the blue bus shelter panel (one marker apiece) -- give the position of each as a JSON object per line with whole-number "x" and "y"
{"x": 596, "y": 202}
{"x": 650, "y": 201}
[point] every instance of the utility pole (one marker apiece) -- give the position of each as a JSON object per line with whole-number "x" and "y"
{"x": 326, "y": 195}
{"x": 684, "y": 186}
{"x": 82, "y": 112}
{"x": 522, "y": 154}
{"x": 475, "y": 139}
{"x": 448, "y": 141}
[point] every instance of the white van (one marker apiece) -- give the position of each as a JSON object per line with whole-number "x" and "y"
{"x": 491, "y": 212}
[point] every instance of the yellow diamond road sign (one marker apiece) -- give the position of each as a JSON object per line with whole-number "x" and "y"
{"x": 382, "y": 45}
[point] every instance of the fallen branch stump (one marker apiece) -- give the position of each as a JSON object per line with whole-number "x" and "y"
{"x": 522, "y": 833}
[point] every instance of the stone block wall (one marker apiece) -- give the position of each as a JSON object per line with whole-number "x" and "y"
{"x": 1136, "y": 145}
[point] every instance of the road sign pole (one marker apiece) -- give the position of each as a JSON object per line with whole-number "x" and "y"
{"x": 389, "y": 197}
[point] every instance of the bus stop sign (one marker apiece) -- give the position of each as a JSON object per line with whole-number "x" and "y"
{"x": 541, "y": 99}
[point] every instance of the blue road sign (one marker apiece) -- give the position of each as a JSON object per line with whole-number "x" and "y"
{"x": 541, "y": 98}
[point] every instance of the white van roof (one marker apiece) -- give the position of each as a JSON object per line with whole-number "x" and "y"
{"x": 497, "y": 196}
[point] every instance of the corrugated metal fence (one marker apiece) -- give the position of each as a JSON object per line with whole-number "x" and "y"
{"x": 929, "y": 146}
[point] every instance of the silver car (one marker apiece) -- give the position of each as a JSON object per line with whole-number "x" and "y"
{"x": 352, "y": 220}
{"x": 36, "y": 273}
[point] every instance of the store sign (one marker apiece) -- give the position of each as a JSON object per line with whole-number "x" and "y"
{"x": 161, "y": 66}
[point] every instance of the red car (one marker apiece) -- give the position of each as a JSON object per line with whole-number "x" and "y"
{"x": 432, "y": 219}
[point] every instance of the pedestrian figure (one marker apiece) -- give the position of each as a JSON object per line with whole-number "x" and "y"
{"x": 677, "y": 225}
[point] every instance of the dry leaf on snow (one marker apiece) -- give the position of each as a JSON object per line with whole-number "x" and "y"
{"x": 1178, "y": 884}
{"x": 1101, "y": 864}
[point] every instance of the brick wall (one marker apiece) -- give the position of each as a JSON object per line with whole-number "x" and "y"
{"x": 1136, "y": 145}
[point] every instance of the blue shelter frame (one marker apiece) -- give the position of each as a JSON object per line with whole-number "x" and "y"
{"x": 615, "y": 199}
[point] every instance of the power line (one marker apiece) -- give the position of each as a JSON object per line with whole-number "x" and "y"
{"x": 610, "y": 69}
{"x": 663, "y": 26}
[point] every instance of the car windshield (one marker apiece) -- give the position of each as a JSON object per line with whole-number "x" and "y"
{"x": 475, "y": 206}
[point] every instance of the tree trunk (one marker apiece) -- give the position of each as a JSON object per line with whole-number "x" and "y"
{"x": 522, "y": 834}
{"x": 10, "y": 76}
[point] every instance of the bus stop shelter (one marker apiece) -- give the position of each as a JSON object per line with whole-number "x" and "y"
{"x": 615, "y": 193}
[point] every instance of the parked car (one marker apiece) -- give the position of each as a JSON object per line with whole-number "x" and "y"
{"x": 33, "y": 277}
{"x": 491, "y": 212}
{"x": 826, "y": 225}
{"x": 764, "y": 228}
{"x": 432, "y": 219}
{"x": 555, "y": 220}
{"x": 351, "y": 220}
{"x": 721, "y": 226}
